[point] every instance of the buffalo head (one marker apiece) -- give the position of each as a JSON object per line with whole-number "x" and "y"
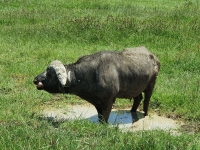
{"x": 53, "y": 79}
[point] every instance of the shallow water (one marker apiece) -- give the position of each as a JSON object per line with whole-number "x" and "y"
{"x": 123, "y": 119}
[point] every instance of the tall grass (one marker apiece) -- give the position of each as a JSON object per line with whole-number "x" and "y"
{"x": 34, "y": 32}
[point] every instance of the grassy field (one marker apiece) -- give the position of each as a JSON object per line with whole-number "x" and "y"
{"x": 35, "y": 32}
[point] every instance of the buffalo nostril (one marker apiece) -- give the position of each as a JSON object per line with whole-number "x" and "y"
{"x": 35, "y": 81}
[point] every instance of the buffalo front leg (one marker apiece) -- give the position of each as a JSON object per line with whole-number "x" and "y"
{"x": 136, "y": 103}
{"x": 99, "y": 111}
{"x": 104, "y": 111}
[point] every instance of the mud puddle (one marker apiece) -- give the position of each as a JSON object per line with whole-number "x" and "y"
{"x": 123, "y": 119}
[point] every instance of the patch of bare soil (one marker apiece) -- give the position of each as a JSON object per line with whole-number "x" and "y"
{"x": 123, "y": 119}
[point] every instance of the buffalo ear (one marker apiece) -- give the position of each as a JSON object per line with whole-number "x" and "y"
{"x": 60, "y": 71}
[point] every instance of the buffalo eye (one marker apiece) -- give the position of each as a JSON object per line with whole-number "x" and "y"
{"x": 48, "y": 74}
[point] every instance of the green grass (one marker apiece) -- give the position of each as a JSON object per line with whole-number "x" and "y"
{"x": 69, "y": 135}
{"x": 34, "y": 32}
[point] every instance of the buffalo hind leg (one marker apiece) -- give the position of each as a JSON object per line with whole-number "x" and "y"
{"x": 136, "y": 103}
{"x": 148, "y": 92}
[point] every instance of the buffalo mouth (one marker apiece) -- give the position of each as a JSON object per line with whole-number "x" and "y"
{"x": 39, "y": 85}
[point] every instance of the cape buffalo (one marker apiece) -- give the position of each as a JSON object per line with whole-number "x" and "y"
{"x": 102, "y": 77}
